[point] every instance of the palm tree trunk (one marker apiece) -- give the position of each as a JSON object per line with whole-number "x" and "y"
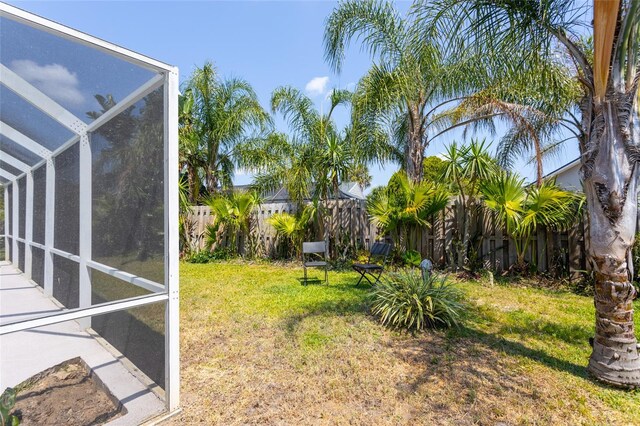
{"x": 610, "y": 176}
{"x": 414, "y": 156}
{"x": 191, "y": 182}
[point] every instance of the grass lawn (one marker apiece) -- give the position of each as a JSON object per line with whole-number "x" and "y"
{"x": 257, "y": 347}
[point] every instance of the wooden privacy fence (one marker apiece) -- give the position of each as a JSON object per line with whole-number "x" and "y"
{"x": 351, "y": 223}
{"x": 560, "y": 253}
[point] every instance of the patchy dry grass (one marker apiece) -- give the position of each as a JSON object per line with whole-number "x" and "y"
{"x": 259, "y": 348}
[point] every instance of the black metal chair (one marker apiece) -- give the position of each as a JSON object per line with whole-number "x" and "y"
{"x": 375, "y": 264}
{"x": 316, "y": 249}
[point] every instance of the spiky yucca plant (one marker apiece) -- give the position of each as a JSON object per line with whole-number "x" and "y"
{"x": 407, "y": 300}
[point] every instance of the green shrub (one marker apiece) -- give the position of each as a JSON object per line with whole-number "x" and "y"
{"x": 406, "y": 300}
{"x": 411, "y": 258}
{"x": 206, "y": 256}
{"x": 7, "y": 402}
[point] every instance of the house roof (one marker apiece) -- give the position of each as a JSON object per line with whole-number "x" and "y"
{"x": 348, "y": 190}
{"x": 570, "y": 165}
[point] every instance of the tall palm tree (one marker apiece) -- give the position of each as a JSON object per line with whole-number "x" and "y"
{"x": 538, "y": 125}
{"x": 223, "y": 113}
{"x": 192, "y": 158}
{"x": 607, "y": 131}
{"x": 314, "y": 159}
{"x": 409, "y": 83}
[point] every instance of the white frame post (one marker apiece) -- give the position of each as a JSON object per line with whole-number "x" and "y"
{"x": 49, "y": 224}
{"x": 84, "y": 243}
{"x": 28, "y": 228}
{"x": 172, "y": 281}
{"x": 15, "y": 215}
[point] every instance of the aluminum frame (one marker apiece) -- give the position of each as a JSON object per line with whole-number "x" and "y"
{"x": 167, "y": 76}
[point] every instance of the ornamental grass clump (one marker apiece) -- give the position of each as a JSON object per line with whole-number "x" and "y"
{"x": 407, "y": 300}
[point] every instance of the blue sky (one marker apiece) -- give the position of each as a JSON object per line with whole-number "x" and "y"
{"x": 267, "y": 43}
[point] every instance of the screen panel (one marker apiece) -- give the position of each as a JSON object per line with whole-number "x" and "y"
{"x": 137, "y": 333}
{"x": 128, "y": 190}
{"x": 67, "y": 213}
{"x": 66, "y": 282}
{"x": 9, "y": 168}
{"x": 37, "y": 266}
{"x": 9, "y": 209}
{"x": 21, "y": 256}
{"x": 22, "y": 116}
{"x": 39, "y": 203}
{"x": 70, "y": 73}
{"x": 19, "y": 152}
{"x": 22, "y": 206}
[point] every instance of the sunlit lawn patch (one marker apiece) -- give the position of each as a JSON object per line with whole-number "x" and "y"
{"x": 258, "y": 347}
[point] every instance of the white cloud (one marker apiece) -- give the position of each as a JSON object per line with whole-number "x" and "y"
{"x": 316, "y": 86}
{"x": 54, "y": 80}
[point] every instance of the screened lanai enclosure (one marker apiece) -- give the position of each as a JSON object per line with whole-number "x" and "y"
{"x": 88, "y": 211}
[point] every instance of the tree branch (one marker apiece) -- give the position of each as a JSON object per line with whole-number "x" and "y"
{"x": 464, "y": 123}
{"x": 576, "y": 54}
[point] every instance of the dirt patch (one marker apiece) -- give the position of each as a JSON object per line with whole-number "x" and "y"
{"x": 66, "y": 394}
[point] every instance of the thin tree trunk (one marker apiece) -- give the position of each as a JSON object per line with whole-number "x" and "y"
{"x": 610, "y": 177}
{"x": 336, "y": 197}
{"x": 462, "y": 221}
{"x": 191, "y": 181}
{"x": 466, "y": 236}
{"x": 414, "y": 155}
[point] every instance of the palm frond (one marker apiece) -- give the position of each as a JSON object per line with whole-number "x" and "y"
{"x": 375, "y": 23}
{"x": 505, "y": 195}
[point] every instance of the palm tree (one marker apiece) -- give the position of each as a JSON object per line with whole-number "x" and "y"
{"x": 292, "y": 228}
{"x": 537, "y": 128}
{"x": 192, "y": 158}
{"x": 607, "y": 131}
{"x": 314, "y": 159}
{"x": 404, "y": 205}
{"x": 219, "y": 114}
{"x": 522, "y": 209}
{"x": 233, "y": 213}
{"x": 467, "y": 167}
{"x": 409, "y": 84}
